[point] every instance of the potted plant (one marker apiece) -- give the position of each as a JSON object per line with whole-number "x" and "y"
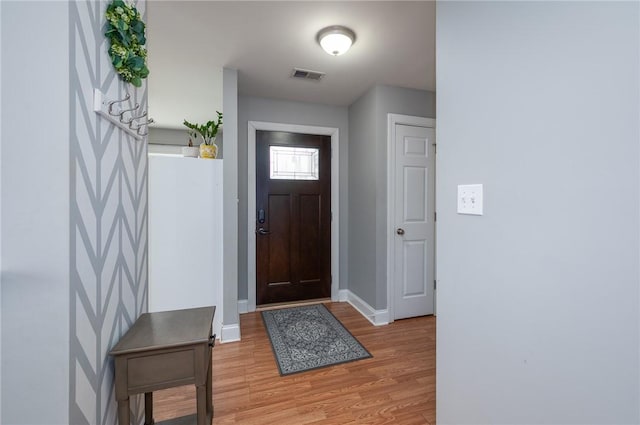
{"x": 191, "y": 151}
{"x": 208, "y": 132}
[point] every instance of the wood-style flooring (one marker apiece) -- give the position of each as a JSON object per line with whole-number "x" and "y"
{"x": 396, "y": 386}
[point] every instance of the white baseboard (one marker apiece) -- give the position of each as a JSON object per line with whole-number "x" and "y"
{"x": 343, "y": 295}
{"x": 243, "y": 306}
{"x": 230, "y": 333}
{"x": 376, "y": 317}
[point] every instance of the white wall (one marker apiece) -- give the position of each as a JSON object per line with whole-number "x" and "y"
{"x": 34, "y": 279}
{"x": 230, "y": 102}
{"x": 186, "y": 234}
{"x": 193, "y": 93}
{"x": 538, "y": 299}
{"x": 0, "y": 219}
{"x": 287, "y": 112}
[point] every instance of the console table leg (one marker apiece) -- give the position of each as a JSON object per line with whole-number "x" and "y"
{"x": 123, "y": 412}
{"x": 148, "y": 409}
{"x": 201, "y": 402}
{"x": 209, "y": 392}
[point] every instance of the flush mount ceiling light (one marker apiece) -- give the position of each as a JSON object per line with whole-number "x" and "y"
{"x": 336, "y": 39}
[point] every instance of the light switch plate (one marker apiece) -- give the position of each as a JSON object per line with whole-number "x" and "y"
{"x": 470, "y": 199}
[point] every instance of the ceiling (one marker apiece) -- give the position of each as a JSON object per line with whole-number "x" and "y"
{"x": 190, "y": 42}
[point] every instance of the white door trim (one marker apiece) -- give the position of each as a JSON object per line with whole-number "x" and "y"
{"x": 253, "y": 126}
{"x": 392, "y": 121}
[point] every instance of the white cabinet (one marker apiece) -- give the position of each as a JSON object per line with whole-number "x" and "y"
{"x": 185, "y": 234}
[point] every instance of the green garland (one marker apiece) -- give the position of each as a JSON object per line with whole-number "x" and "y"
{"x": 125, "y": 31}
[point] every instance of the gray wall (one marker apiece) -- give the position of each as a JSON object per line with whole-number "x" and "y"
{"x": 169, "y": 136}
{"x": 0, "y": 222}
{"x": 74, "y": 242}
{"x": 538, "y": 301}
{"x": 368, "y": 183}
{"x": 362, "y": 202}
{"x": 280, "y": 111}
{"x": 108, "y": 234}
{"x": 230, "y": 213}
{"x": 180, "y": 137}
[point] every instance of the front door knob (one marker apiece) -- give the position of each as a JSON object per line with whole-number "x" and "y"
{"x": 400, "y": 231}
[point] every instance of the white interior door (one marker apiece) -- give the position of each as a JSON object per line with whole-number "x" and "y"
{"x": 414, "y": 220}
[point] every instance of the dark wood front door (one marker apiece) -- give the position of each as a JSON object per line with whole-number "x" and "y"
{"x": 293, "y": 217}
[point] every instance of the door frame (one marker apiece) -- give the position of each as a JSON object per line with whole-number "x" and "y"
{"x": 392, "y": 121}
{"x": 254, "y": 126}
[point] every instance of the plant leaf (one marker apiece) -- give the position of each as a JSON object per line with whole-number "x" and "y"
{"x": 135, "y": 63}
{"x": 116, "y": 61}
{"x": 138, "y": 27}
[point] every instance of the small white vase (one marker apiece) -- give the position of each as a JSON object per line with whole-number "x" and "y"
{"x": 190, "y": 151}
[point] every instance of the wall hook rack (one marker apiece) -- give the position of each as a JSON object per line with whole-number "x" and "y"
{"x": 113, "y": 102}
{"x": 114, "y": 111}
{"x": 134, "y": 119}
{"x": 124, "y": 111}
{"x": 137, "y": 126}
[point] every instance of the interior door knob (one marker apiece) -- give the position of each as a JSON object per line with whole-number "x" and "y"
{"x": 400, "y": 231}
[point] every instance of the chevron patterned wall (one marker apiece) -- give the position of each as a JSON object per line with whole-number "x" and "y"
{"x": 108, "y": 222}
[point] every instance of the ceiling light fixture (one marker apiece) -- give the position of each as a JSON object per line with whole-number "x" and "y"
{"x": 336, "y": 39}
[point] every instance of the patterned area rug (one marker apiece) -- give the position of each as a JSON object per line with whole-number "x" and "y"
{"x": 309, "y": 337}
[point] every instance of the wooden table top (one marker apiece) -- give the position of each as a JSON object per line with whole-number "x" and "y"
{"x": 166, "y": 329}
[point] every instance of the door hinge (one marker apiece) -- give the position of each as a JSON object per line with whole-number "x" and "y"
{"x": 435, "y": 148}
{"x": 435, "y": 216}
{"x": 434, "y": 284}
{"x": 331, "y": 215}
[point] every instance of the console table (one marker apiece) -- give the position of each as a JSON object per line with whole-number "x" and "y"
{"x": 162, "y": 350}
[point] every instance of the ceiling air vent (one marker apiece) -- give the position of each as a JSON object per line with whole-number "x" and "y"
{"x": 307, "y": 74}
